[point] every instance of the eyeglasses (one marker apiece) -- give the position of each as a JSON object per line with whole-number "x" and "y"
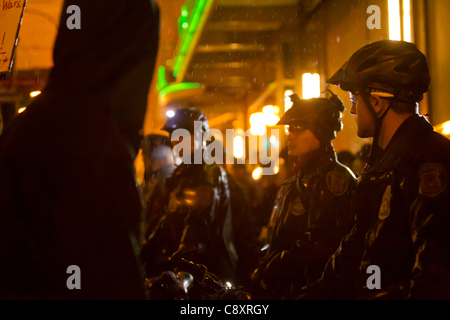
{"x": 296, "y": 129}
{"x": 353, "y": 96}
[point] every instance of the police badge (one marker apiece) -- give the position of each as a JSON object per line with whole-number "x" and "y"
{"x": 433, "y": 179}
{"x": 297, "y": 207}
{"x": 385, "y": 208}
{"x": 337, "y": 183}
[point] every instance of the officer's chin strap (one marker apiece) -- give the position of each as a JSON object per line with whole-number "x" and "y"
{"x": 378, "y": 124}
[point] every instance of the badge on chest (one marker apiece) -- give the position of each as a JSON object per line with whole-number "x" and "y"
{"x": 337, "y": 183}
{"x": 297, "y": 208}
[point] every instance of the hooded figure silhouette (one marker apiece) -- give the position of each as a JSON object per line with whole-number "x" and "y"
{"x": 67, "y": 189}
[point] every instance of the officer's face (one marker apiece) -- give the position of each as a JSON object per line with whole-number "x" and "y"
{"x": 363, "y": 117}
{"x": 301, "y": 142}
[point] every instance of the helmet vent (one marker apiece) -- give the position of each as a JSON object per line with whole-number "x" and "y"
{"x": 395, "y": 51}
{"x": 367, "y": 64}
{"x": 403, "y": 68}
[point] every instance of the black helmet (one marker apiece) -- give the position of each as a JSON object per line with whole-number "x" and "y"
{"x": 395, "y": 67}
{"x": 184, "y": 119}
{"x": 320, "y": 115}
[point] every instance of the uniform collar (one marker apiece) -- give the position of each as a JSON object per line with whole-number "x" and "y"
{"x": 316, "y": 160}
{"x": 407, "y": 135}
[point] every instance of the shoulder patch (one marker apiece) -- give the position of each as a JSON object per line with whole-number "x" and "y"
{"x": 337, "y": 182}
{"x": 433, "y": 179}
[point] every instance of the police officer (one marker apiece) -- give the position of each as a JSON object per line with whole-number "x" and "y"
{"x": 197, "y": 223}
{"x": 313, "y": 209}
{"x": 403, "y": 199}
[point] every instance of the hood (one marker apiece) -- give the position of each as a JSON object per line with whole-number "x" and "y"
{"x": 109, "y": 62}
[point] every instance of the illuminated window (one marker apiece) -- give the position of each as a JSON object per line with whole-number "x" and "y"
{"x": 407, "y": 20}
{"x": 311, "y": 85}
{"x": 394, "y": 20}
{"x": 400, "y": 20}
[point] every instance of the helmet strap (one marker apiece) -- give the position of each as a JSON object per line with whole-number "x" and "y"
{"x": 378, "y": 124}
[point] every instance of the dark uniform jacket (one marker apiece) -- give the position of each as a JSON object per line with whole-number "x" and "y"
{"x": 403, "y": 223}
{"x": 67, "y": 190}
{"x": 311, "y": 214}
{"x": 197, "y": 222}
{"x": 154, "y": 196}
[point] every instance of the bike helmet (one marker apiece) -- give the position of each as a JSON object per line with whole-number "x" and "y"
{"x": 395, "y": 67}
